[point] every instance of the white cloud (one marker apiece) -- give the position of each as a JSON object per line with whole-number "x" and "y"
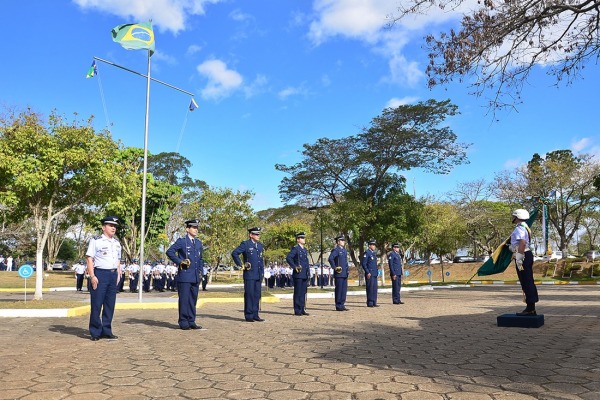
{"x": 512, "y": 164}
{"x": 370, "y": 21}
{"x": 580, "y": 145}
{"x": 403, "y": 72}
{"x": 358, "y": 19}
{"x": 222, "y": 81}
{"x": 193, "y": 49}
{"x": 258, "y": 86}
{"x": 166, "y": 15}
{"x": 291, "y": 91}
{"x": 238, "y": 15}
{"x": 396, "y": 102}
{"x": 160, "y": 56}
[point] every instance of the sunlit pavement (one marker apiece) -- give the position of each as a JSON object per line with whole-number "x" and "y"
{"x": 440, "y": 344}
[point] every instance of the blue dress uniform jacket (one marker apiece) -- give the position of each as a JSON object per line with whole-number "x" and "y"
{"x": 251, "y": 252}
{"x": 188, "y": 280}
{"x": 298, "y": 258}
{"x": 395, "y": 264}
{"x": 369, "y": 265}
{"x": 339, "y": 258}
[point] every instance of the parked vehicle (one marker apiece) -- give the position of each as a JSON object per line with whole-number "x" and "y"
{"x": 60, "y": 266}
{"x": 464, "y": 259}
{"x": 591, "y": 255}
{"x": 556, "y": 255}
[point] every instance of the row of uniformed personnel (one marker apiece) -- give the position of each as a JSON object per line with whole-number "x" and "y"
{"x": 103, "y": 266}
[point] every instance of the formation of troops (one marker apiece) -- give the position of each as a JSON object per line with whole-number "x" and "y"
{"x": 186, "y": 273}
{"x": 156, "y": 276}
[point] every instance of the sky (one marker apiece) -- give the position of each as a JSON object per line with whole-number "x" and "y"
{"x": 270, "y": 76}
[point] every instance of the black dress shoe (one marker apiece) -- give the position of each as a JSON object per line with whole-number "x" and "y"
{"x": 298, "y": 315}
{"x": 305, "y": 313}
{"x": 195, "y": 326}
{"x": 249, "y": 320}
{"x": 259, "y": 319}
{"x": 370, "y": 305}
{"x": 111, "y": 336}
{"x": 375, "y": 305}
{"x": 401, "y": 302}
{"x": 526, "y": 313}
{"x": 345, "y": 309}
{"x": 339, "y": 309}
{"x": 185, "y": 328}
{"x": 94, "y": 338}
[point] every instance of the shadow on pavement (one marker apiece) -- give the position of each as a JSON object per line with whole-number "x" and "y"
{"x": 151, "y": 322}
{"x": 70, "y": 330}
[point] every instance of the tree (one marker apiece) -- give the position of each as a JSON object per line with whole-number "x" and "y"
{"x": 161, "y": 198}
{"x": 561, "y": 176}
{"x": 225, "y": 216}
{"x": 500, "y": 42}
{"x": 279, "y": 238}
{"x": 444, "y": 230}
{"x": 487, "y": 221}
{"x": 48, "y": 169}
{"x": 356, "y": 172}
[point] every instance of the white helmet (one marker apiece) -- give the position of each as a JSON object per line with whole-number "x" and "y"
{"x": 521, "y": 214}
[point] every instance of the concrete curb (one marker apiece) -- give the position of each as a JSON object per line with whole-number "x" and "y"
{"x": 123, "y": 305}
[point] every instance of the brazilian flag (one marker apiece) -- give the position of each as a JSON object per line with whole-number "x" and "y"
{"x": 502, "y": 256}
{"x": 135, "y": 36}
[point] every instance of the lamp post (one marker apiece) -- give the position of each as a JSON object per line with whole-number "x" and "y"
{"x": 316, "y": 208}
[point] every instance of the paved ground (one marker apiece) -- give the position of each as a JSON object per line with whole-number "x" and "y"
{"x": 441, "y": 344}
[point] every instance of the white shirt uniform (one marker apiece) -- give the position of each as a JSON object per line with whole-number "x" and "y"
{"x": 79, "y": 269}
{"x": 105, "y": 252}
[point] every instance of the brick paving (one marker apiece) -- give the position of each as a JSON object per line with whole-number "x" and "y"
{"x": 441, "y": 344}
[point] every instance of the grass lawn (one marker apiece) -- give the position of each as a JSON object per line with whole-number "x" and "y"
{"x": 43, "y": 304}
{"x": 9, "y": 280}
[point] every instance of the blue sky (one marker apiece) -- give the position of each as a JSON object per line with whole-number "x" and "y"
{"x": 269, "y": 76}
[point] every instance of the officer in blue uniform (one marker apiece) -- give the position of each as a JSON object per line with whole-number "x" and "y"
{"x": 519, "y": 245}
{"x": 338, "y": 259}
{"x": 104, "y": 267}
{"x": 253, "y": 266}
{"x": 297, "y": 258}
{"x": 186, "y": 252}
{"x": 395, "y": 264}
{"x": 369, "y": 265}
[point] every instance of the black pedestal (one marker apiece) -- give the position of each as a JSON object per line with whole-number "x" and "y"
{"x": 514, "y": 320}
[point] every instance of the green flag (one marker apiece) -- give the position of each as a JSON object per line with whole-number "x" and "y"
{"x": 93, "y": 71}
{"x": 502, "y": 256}
{"x": 135, "y": 36}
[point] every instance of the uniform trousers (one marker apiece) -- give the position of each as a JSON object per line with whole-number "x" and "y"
{"x": 133, "y": 283}
{"x": 79, "y": 284}
{"x": 396, "y": 285}
{"x": 188, "y": 297}
{"x": 341, "y": 289}
{"x": 526, "y": 280}
{"x": 371, "y": 290}
{"x": 300, "y": 288}
{"x": 252, "y": 295}
{"x": 103, "y": 300}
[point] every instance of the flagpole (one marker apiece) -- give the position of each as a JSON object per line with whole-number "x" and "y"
{"x": 142, "y": 75}
{"x": 143, "y": 227}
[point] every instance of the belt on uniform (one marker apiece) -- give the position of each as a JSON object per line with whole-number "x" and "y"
{"x": 105, "y": 269}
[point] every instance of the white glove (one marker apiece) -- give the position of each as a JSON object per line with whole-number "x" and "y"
{"x": 519, "y": 257}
